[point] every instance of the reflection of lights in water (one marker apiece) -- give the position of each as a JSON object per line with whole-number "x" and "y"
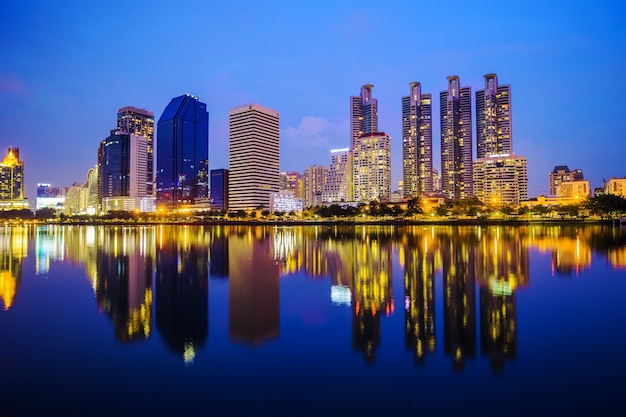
{"x": 189, "y": 353}
{"x": 407, "y": 303}
{"x": 340, "y": 295}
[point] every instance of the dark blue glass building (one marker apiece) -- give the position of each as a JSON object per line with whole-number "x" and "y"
{"x": 219, "y": 189}
{"x": 182, "y": 153}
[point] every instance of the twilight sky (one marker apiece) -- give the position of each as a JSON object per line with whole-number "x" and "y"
{"x": 66, "y": 67}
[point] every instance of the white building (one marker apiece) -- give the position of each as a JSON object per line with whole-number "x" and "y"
{"x": 371, "y": 171}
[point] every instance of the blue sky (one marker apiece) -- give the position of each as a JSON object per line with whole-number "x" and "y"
{"x": 66, "y": 67}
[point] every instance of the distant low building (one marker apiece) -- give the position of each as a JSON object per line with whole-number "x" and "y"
{"x": 616, "y": 186}
{"x": 285, "y": 203}
{"x": 12, "y": 182}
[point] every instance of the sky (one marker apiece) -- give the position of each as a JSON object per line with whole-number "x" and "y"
{"x": 66, "y": 67}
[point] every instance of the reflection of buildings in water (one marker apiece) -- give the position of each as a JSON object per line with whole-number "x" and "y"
{"x": 419, "y": 295}
{"x": 502, "y": 266}
{"x": 498, "y": 325}
{"x": 617, "y": 257}
{"x": 286, "y": 247}
{"x": 218, "y": 252}
{"x": 49, "y": 246}
{"x": 459, "y": 311}
{"x": 371, "y": 290}
{"x": 569, "y": 247}
{"x": 124, "y": 282}
{"x": 181, "y": 288}
{"x": 254, "y": 305}
{"x": 13, "y": 248}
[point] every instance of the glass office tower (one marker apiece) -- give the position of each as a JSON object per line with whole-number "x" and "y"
{"x": 182, "y": 153}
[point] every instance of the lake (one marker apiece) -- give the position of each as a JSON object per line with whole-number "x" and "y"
{"x": 312, "y": 320}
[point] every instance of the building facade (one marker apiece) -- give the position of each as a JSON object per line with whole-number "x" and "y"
{"x": 314, "y": 181}
{"x": 501, "y": 179}
{"x": 578, "y": 189}
{"x": 183, "y": 153}
{"x": 417, "y": 143}
{"x": 616, "y": 186}
{"x": 338, "y": 188}
{"x": 12, "y": 181}
{"x": 123, "y": 171}
{"x": 219, "y": 189}
{"x": 493, "y": 118}
{"x": 372, "y": 168}
{"x": 254, "y": 156}
{"x": 363, "y": 114}
{"x": 456, "y": 140}
{"x": 561, "y": 174}
{"x": 140, "y": 122}
{"x": 290, "y": 183}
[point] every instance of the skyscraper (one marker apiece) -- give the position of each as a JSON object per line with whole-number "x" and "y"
{"x": 140, "y": 122}
{"x": 123, "y": 171}
{"x": 372, "y": 167}
{"x": 363, "y": 114}
{"x": 219, "y": 189}
{"x": 183, "y": 153}
{"x": 456, "y": 140}
{"x": 493, "y": 118}
{"x": 417, "y": 143}
{"x": 254, "y": 156}
{"x": 314, "y": 180}
{"x": 12, "y": 181}
{"x": 338, "y": 186}
{"x": 501, "y": 179}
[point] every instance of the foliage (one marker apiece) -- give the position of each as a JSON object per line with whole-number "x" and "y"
{"x": 606, "y": 205}
{"x": 24, "y": 214}
{"x": 45, "y": 213}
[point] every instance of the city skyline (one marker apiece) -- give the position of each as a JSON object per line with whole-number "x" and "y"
{"x": 60, "y": 84}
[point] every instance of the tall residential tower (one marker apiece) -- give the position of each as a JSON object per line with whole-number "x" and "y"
{"x": 140, "y": 122}
{"x": 363, "y": 114}
{"x": 417, "y": 143}
{"x": 493, "y": 119}
{"x": 456, "y": 140}
{"x": 183, "y": 153}
{"x": 253, "y": 157}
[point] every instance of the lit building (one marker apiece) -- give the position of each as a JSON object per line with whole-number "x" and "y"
{"x": 140, "y": 122}
{"x": 314, "y": 180}
{"x": 574, "y": 189}
{"x": 290, "y": 182}
{"x": 436, "y": 181}
{"x": 493, "y": 118}
{"x": 219, "y": 189}
{"x": 560, "y": 174}
{"x": 12, "y": 182}
{"x": 123, "y": 175}
{"x": 363, "y": 114}
{"x": 183, "y": 153}
{"x": 285, "y": 203}
{"x": 254, "y": 156}
{"x": 49, "y": 197}
{"x": 417, "y": 143}
{"x": 456, "y": 140}
{"x": 338, "y": 188}
{"x": 372, "y": 168}
{"x": 501, "y": 179}
{"x": 616, "y": 186}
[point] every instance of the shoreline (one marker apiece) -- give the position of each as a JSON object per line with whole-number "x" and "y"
{"x": 337, "y": 222}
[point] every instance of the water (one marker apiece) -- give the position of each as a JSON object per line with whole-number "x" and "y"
{"x": 312, "y": 321}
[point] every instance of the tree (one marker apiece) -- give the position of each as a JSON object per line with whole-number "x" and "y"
{"x": 606, "y": 205}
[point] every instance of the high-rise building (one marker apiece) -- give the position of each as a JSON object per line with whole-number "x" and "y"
{"x": 123, "y": 171}
{"x": 456, "y": 140}
{"x": 560, "y": 173}
{"x": 494, "y": 134}
{"x": 372, "y": 168}
{"x": 183, "y": 153}
{"x": 338, "y": 188}
{"x": 12, "y": 181}
{"x": 140, "y": 122}
{"x": 314, "y": 180}
{"x": 417, "y": 143}
{"x": 363, "y": 114}
{"x": 290, "y": 183}
{"x": 501, "y": 179}
{"x": 219, "y": 189}
{"x": 254, "y": 156}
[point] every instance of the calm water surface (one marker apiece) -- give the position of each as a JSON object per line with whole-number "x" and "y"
{"x": 312, "y": 321}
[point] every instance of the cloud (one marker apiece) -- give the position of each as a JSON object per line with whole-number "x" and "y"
{"x": 315, "y": 133}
